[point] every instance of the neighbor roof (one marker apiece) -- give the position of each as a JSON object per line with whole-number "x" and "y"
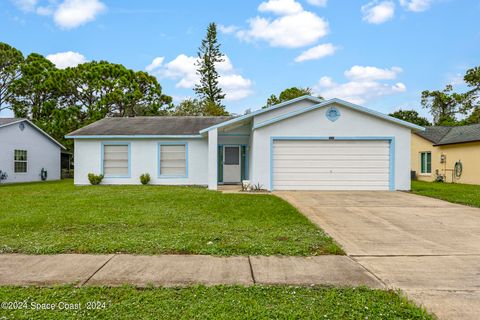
{"x": 5, "y": 121}
{"x": 442, "y": 135}
{"x": 10, "y": 121}
{"x": 148, "y": 126}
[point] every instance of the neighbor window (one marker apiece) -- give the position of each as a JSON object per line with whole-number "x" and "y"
{"x": 20, "y": 161}
{"x": 115, "y": 160}
{"x": 173, "y": 160}
{"x": 425, "y": 162}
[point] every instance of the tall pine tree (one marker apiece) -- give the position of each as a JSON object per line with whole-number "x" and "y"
{"x": 209, "y": 92}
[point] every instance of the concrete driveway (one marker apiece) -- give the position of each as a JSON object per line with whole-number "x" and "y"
{"x": 429, "y": 248}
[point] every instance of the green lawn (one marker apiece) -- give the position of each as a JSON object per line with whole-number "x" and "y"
{"x": 221, "y": 302}
{"x": 467, "y": 194}
{"x": 57, "y": 217}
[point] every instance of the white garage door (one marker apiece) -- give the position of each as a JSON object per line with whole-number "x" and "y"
{"x": 330, "y": 165}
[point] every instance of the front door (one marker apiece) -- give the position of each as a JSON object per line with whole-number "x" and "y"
{"x": 231, "y": 164}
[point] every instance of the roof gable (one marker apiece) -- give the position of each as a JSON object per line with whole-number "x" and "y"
{"x": 4, "y": 122}
{"x": 261, "y": 111}
{"x": 344, "y": 104}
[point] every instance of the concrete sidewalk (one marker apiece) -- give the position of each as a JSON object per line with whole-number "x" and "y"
{"x": 181, "y": 270}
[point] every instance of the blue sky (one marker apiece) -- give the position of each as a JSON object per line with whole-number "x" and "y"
{"x": 380, "y": 54}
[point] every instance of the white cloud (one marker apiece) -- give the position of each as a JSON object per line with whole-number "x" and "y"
{"x": 183, "y": 70}
{"x": 378, "y": 12}
{"x": 416, "y": 5}
{"x": 68, "y": 14}
{"x": 318, "y": 3}
{"x": 74, "y": 13}
{"x": 66, "y": 59}
{"x": 228, "y": 29}
{"x": 317, "y": 52}
{"x": 26, "y": 5}
{"x": 280, "y": 7}
{"x": 361, "y": 87}
{"x": 372, "y": 73}
{"x": 44, "y": 11}
{"x": 290, "y": 31}
{"x": 156, "y": 63}
{"x": 294, "y": 27}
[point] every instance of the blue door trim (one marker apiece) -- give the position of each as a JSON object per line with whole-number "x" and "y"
{"x": 391, "y": 141}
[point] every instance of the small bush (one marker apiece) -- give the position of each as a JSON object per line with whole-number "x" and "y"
{"x": 95, "y": 179}
{"x": 145, "y": 178}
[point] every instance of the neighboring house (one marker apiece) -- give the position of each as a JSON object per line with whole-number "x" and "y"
{"x": 450, "y": 152}
{"x": 26, "y": 151}
{"x": 301, "y": 144}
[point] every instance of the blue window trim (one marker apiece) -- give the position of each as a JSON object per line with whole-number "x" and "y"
{"x": 116, "y": 143}
{"x": 170, "y": 143}
{"x": 391, "y": 141}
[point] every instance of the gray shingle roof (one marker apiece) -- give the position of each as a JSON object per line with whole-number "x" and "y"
{"x": 4, "y": 121}
{"x": 167, "y": 125}
{"x": 441, "y": 135}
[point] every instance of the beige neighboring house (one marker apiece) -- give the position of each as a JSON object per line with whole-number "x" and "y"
{"x": 452, "y": 153}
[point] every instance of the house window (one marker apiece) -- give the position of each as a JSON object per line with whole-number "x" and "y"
{"x": 173, "y": 160}
{"x": 116, "y": 160}
{"x": 425, "y": 162}
{"x": 20, "y": 161}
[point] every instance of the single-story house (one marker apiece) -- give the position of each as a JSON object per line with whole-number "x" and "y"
{"x": 27, "y": 153}
{"x": 448, "y": 153}
{"x": 302, "y": 144}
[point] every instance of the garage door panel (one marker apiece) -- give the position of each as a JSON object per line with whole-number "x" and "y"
{"x": 327, "y": 176}
{"x": 313, "y": 170}
{"x": 344, "y": 150}
{"x": 331, "y": 165}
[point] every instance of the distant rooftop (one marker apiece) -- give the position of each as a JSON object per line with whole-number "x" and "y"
{"x": 442, "y": 135}
{"x": 4, "y": 121}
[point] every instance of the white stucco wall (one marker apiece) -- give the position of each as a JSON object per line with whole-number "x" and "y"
{"x": 283, "y": 110}
{"x": 41, "y": 153}
{"x": 315, "y": 124}
{"x": 143, "y": 159}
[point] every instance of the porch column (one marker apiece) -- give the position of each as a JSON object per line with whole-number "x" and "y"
{"x": 212, "y": 159}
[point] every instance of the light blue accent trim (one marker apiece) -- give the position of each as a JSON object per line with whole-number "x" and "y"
{"x": 247, "y": 116}
{"x": 159, "y": 175}
{"x": 116, "y": 143}
{"x": 391, "y": 141}
{"x": 332, "y": 114}
{"x": 137, "y": 137}
{"x": 247, "y": 175}
{"x": 234, "y": 134}
{"x": 345, "y": 104}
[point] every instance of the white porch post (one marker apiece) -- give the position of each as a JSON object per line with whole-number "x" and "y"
{"x": 212, "y": 159}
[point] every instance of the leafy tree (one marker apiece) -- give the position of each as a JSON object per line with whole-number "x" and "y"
{"x": 288, "y": 94}
{"x": 444, "y": 105}
{"x": 411, "y": 116}
{"x": 472, "y": 79}
{"x": 209, "y": 55}
{"x": 11, "y": 60}
{"x": 34, "y": 95}
{"x": 189, "y": 107}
